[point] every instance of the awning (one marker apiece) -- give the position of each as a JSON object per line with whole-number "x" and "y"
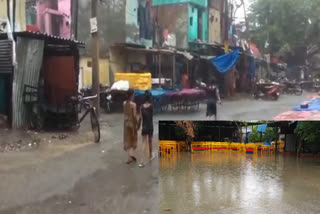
{"x": 225, "y": 62}
{"x": 187, "y": 55}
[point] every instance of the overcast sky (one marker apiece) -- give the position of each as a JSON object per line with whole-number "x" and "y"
{"x": 240, "y": 12}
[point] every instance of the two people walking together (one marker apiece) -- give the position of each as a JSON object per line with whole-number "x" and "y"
{"x": 132, "y": 123}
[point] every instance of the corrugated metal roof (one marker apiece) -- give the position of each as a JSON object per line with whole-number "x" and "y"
{"x": 29, "y": 59}
{"x": 45, "y": 36}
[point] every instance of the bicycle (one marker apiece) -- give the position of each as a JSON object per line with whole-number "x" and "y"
{"x": 85, "y": 102}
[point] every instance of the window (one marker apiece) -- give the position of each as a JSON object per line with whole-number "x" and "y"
{"x": 191, "y": 21}
{"x": 89, "y": 64}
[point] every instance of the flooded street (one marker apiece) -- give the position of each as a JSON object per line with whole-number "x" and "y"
{"x": 243, "y": 108}
{"x": 231, "y": 182}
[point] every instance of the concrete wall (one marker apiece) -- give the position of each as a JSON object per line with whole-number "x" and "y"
{"x": 64, "y": 6}
{"x": 214, "y": 26}
{"x": 120, "y": 59}
{"x": 111, "y": 23}
{"x": 132, "y": 27}
{"x": 193, "y": 22}
{"x": 86, "y": 72}
{"x": 20, "y": 23}
{"x": 45, "y": 20}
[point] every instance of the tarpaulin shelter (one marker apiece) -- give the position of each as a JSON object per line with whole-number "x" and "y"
{"x": 225, "y": 62}
{"x": 262, "y": 128}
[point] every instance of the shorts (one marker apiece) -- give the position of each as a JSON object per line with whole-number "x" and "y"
{"x": 147, "y": 131}
{"x": 211, "y": 108}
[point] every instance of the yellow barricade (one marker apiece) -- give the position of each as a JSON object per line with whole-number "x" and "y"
{"x": 141, "y": 81}
{"x": 236, "y": 147}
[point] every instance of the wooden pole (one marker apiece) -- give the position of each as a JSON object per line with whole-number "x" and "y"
{"x": 174, "y": 70}
{"x": 75, "y": 11}
{"x": 226, "y": 36}
{"x": 159, "y": 70}
{"x": 95, "y": 57}
{"x": 285, "y": 142}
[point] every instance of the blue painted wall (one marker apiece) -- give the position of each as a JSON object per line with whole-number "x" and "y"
{"x": 203, "y": 3}
{"x": 205, "y": 32}
{"x": 193, "y": 23}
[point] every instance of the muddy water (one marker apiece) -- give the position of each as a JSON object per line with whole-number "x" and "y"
{"x": 232, "y": 182}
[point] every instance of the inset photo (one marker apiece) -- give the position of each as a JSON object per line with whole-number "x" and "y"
{"x": 239, "y": 167}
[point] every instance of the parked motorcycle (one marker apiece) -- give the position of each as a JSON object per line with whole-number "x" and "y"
{"x": 290, "y": 87}
{"x": 267, "y": 91}
{"x": 106, "y": 100}
{"x": 313, "y": 85}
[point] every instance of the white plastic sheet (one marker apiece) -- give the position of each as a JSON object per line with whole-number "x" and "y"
{"x": 121, "y": 85}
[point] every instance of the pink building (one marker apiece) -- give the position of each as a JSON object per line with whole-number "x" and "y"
{"x": 54, "y": 17}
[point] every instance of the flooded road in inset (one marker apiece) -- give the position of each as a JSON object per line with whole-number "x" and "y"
{"x": 231, "y": 182}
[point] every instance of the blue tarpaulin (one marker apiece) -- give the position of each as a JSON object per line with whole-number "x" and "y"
{"x": 156, "y": 93}
{"x": 262, "y": 128}
{"x": 225, "y": 62}
{"x": 267, "y": 143}
{"x": 313, "y": 106}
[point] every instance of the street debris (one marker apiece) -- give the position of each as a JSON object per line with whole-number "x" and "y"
{"x": 62, "y": 136}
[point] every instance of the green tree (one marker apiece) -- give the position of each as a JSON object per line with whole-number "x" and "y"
{"x": 308, "y": 132}
{"x": 188, "y": 130}
{"x": 284, "y": 24}
{"x": 254, "y": 135}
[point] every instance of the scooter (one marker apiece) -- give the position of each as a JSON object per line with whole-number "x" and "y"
{"x": 267, "y": 91}
{"x": 289, "y": 87}
{"x": 312, "y": 86}
{"x": 106, "y": 100}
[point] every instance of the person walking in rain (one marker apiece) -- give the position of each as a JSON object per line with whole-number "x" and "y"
{"x": 213, "y": 97}
{"x": 146, "y": 112}
{"x": 131, "y": 127}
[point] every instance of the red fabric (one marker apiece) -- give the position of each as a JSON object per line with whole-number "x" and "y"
{"x": 185, "y": 81}
{"x": 33, "y": 28}
{"x": 275, "y": 60}
{"x": 255, "y": 50}
{"x": 60, "y": 79}
{"x": 298, "y": 116}
{"x": 187, "y": 93}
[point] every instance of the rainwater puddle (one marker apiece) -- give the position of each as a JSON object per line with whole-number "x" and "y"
{"x": 232, "y": 182}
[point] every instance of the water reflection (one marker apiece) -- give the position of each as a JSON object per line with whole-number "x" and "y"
{"x": 232, "y": 182}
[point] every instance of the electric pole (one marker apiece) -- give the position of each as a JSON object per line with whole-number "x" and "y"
{"x": 95, "y": 54}
{"x": 226, "y": 33}
{"x": 74, "y": 21}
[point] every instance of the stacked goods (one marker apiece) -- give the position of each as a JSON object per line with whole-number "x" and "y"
{"x": 137, "y": 81}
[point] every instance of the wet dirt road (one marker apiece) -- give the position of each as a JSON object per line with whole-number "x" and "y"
{"x": 243, "y": 108}
{"x": 92, "y": 178}
{"x": 231, "y": 182}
